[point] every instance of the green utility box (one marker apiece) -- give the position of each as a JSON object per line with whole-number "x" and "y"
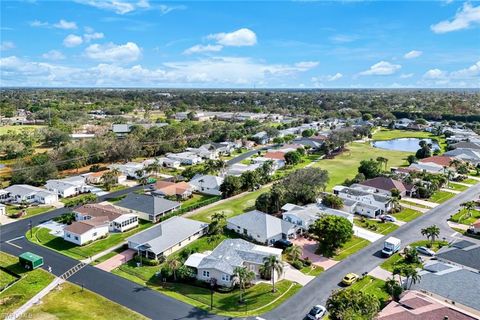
{"x": 30, "y": 260}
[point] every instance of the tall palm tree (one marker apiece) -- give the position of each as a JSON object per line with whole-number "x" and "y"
{"x": 468, "y": 206}
{"x": 273, "y": 264}
{"x": 398, "y": 271}
{"x": 154, "y": 167}
{"x": 243, "y": 277}
{"x": 115, "y": 171}
{"x": 384, "y": 161}
{"x": 414, "y": 277}
{"x": 431, "y": 232}
{"x": 174, "y": 265}
{"x": 294, "y": 252}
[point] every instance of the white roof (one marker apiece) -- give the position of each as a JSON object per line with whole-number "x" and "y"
{"x": 207, "y": 181}
{"x": 194, "y": 260}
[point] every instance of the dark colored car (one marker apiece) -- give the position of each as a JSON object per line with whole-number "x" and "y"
{"x": 282, "y": 244}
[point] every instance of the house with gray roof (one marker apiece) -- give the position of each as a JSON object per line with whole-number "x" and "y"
{"x": 365, "y": 203}
{"x": 19, "y": 193}
{"x": 262, "y": 227}
{"x": 220, "y": 263}
{"x": 305, "y": 216}
{"x": 148, "y": 207}
{"x": 167, "y": 237}
{"x": 469, "y": 155}
{"x": 463, "y": 253}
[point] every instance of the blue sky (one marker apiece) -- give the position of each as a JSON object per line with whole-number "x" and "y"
{"x": 274, "y": 44}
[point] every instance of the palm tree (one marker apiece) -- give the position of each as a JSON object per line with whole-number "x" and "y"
{"x": 469, "y": 206}
{"x": 414, "y": 276}
{"x": 455, "y": 163}
{"x": 174, "y": 265}
{"x": 384, "y": 161}
{"x": 391, "y": 286}
{"x": 273, "y": 264}
{"x": 154, "y": 167}
{"x": 243, "y": 276}
{"x": 294, "y": 252}
{"x": 398, "y": 270}
{"x": 115, "y": 172}
{"x": 218, "y": 222}
{"x": 395, "y": 203}
{"x": 431, "y": 232}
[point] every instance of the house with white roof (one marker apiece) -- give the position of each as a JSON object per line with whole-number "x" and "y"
{"x": 67, "y": 187}
{"x": 262, "y": 227}
{"x": 220, "y": 263}
{"x": 429, "y": 167}
{"x": 187, "y": 157}
{"x": 130, "y": 169}
{"x": 167, "y": 237}
{"x": 261, "y": 137}
{"x": 169, "y": 163}
{"x": 238, "y": 168}
{"x": 207, "y": 184}
{"x": 305, "y": 216}
{"x": 363, "y": 202}
{"x": 19, "y": 193}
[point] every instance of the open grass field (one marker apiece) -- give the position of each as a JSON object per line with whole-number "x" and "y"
{"x": 414, "y": 204}
{"x": 441, "y": 196}
{"x": 376, "y": 226}
{"x": 346, "y": 165}
{"x": 407, "y": 215}
{"x": 42, "y": 237}
{"x": 352, "y": 246}
{"x": 373, "y": 286}
{"x": 463, "y": 217}
{"x": 23, "y": 290}
{"x": 71, "y": 302}
{"x": 231, "y": 207}
{"x": 5, "y": 278}
{"x": 18, "y": 128}
{"x": 196, "y": 198}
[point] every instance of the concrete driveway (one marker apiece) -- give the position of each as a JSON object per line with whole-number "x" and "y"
{"x": 117, "y": 260}
{"x": 308, "y": 251}
{"x": 292, "y": 274}
{"x": 366, "y": 234}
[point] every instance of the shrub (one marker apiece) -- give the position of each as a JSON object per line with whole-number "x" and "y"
{"x": 146, "y": 261}
{"x": 297, "y": 264}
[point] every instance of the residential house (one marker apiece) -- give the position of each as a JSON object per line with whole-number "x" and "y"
{"x": 96, "y": 177}
{"x": 207, "y": 184}
{"x": 119, "y": 220}
{"x": 130, "y": 169}
{"x": 167, "y": 237}
{"x": 86, "y": 231}
{"x": 220, "y": 263}
{"x": 261, "y": 137}
{"x": 238, "y": 168}
{"x": 19, "y": 193}
{"x": 148, "y": 207}
{"x": 442, "y": 161}
{"x": 261, "y": 227}
{"x": 276, "y": 163}
{"x": 67, "y": 187}
{"x": 462, "y": 253}
{"x": 365, "y": 203}
{"x": 468, "y": 155}
{"x": 305, "y": 216}
{"x": 309, "y": 143}
{"x": 122, "y": 129}
{"x": 476, "y": 227}
{"x": 181, "y": 190}
{"x": 414, "y": 305}
{"x": 169, "y": 163}
{"x": 466, "y": 145}
{"x": 403, "y": 123}
{"x": 188, "y": 158}
{"x": 385, "y": 185}
{"x": 429, "y": 167}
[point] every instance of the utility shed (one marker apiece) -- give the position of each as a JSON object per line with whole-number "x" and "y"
{"x": 30, "y": 260}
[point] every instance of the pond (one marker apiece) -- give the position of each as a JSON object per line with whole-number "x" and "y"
{"x": 403, "y": 144}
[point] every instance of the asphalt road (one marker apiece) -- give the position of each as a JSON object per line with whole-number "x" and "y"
{"x": 318, "y": 290}
{"x": 247, "y": 154}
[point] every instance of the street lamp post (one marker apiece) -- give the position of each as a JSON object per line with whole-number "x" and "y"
{"x": 30, "y": 227}
{"x": 213, "y": 282}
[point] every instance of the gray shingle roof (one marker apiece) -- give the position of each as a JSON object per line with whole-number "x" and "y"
{"x": 167, "y": 234}
{"x": 265, "y": 225}
{"x": 147, "y": 204}
{"x": 468, "y": 256}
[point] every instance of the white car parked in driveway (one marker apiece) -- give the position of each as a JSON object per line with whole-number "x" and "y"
{"x": 426, "y": 251}
{"x": 387, "y": 217}
{"x": 317, "y": 312}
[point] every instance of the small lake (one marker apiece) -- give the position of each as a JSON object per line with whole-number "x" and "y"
{"x": 403, "y": 144}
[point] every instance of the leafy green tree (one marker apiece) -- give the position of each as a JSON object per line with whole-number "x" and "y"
{"x": 412, "y": 159}
{"x": 425, "y": 150}
{"x": 308, "y": 133}
{"x": 250, "y": 180}
{"x": 109, "y": 180}
{"x": 393, "y": 288}
{"x": 370, "y": 168}
{"x": 332, "y": 232}
{"x": 332, "y": 201}
{"x": 352, "y": 304}
{"x": 293, "y": 157}
{"x": 231, "y": 186}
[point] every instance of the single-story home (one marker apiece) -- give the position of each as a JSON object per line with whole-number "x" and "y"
{"x": 167, "y": 237}
{"x": 385, "y": 185}
{"x": 186, "y": 157}
{"x": 182, "y": 190}
{"x": 130, "y": 169}
{"x": 429, "y": 167}
{"x": 96, "y": 177}
{"x": 169, "y": 163}
{"x": 365, "y": 203}
{"x": 238, "y": 168}
{"x": 119, "y": 219}
{"x": 67, "y": 187}
{"x": 207, "y": 184}
{"x": 19, "y": 193}
{"x": 305, "y": 216}
{"x": 262, "y": 227}
{"x": 231, "y": 253}
{"x": 469, "y": 155}
{"x": 86, "y": 231}
{"x": 443, "y": 161}
{"x": 261, "y": 137}
{"x": 147, "y": 207}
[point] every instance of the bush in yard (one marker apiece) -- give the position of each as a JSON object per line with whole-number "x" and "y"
{"x": 352, "y": 304}
{"x": 146, "y": 261}
{"x": 297, "y": 264}
{"x": 332, "y": 232}
{"x": 332, "y": 201}
{"x": 66, "y": 218}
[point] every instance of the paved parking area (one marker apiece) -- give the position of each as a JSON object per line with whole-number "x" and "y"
{"x": 117, "y": 260}
{"x": 309, "y": 247}
{"x": 292, "y": 274}
{"x": 366, "y": 234}
{"x": 56, "y": 229}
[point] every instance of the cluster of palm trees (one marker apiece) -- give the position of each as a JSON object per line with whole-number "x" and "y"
{"x": 432, "y": 232}
{"x": 468, "y": 206}
{"x": 110, "y": 178}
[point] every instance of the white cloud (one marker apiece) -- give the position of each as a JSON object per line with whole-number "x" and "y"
{"x": 467, "y": 73}
{"x": 111, "y": 52}
{"x": 238, "y": 38}
{"x": 467, "y": 77}
{"x": 124, "y": 7}
{"x": 92, "y": 36}
{"x": 413, "y": 54}
{"x": 306, "y": 65}
{"x": 382, "y": 68}
{"x": 7, "y": 45}
{"x": 318, "y": 82}
{"x": 406, "y": 75}
{"x": 53, "y": 55}
{"x": 465, "y": 17}
{"x": 66, "y": 25}
{"x": 435, "y": 74}
{"x": 72, "y": 40}
{"x": 343, "y": 38}
{"x": 38, "y": 23}
{"x": 203, "y": 48}
{"x": 335, "y": 77}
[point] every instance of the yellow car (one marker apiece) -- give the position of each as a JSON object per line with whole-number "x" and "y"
{"x": 349, "y": 279}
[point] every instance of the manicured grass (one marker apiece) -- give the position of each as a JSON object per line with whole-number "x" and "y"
{"x": 32, "y": 211}
{"x": 312, "y": 270}
{"x": 407, "y": 214}
{"x": 306, "y": 160}
{"x": 388, "y": 134}
{"x": 345, "y": 165}
{"x": 414, "y": 204}
{"x": 456, "y": 186}
{"x": 231, "y": 207}
{"x": 462, "y": 216}
{"x": 441, "y": 196}
{"x": 24, "y": 289}
{"x": 18, "y": 128}
{"x": 196, "y": 198}
{"x": 5, "y": 278}
{"x": 109, "y": 255}
{"x": 397, "y": 258}
{"x": 373, "y": 286}
{"x": 376, "y": 226}
{"x": 43, "y": 237}
{"x": 352, "y": 246}
{"x": 470, "y": 181}
{"x": 71, "y": 302}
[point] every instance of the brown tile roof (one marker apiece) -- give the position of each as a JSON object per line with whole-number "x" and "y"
{"x": 319, "y": 137}
{"x": 80, "y": 227}
{"x": 100, "y": 210}
{"x": 275, "y": 155}
{"x": 171, "y": 188}
{"x": 440, "y": 160}
{"x": 383, "y": 183}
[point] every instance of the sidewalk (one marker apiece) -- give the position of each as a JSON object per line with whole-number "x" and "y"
{"x": 422, "y": 202}
{"x": 380, "y": 273}
{"x": 35, "y": 300}
{"x": 457, "y": 225}
{"x": 422, "y": 210}
{"x": 450, "y": 190}
{"x": 366, "y": 234}
{"x": 101, "y": 254}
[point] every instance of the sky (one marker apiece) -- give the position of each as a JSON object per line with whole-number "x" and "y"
{"x": 233, "y": 44}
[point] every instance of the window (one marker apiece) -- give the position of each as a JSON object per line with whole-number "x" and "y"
{"x": 76, "y": 238}
{"x": 68, "y": 235}
{"x": 94, "y": 234}
{"x": 225, "y": 277}
{"x": 206, "y": 274}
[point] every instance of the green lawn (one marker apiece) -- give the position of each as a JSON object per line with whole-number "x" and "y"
{"x": 352, "y": 246}
{"x": 346, "y": 164}
{"x": 71, "y": 302}
{"x": 376, "y": 226}
{"x": 407, "y": 214}
{"x": 414, "y": 204}
{"x": 373, "y": 286}
{"x": 5, "y": 278}
{"x": 312, "y": 270}
{"x": 470, "y": 181}
{"x": 441, "y": 196}
{"x": 31, "y": 211}
{"x": 456, "y": 186}
{"x": 306, "y": 160}
{"x": 23, "y": 290}
{"x": 18, "y": 128}
{"x": 43, "y": 237}
{"x": 231, "y": 207}
{"x": 462, "y": 217}
{"x": 397, "y": 258}
{"x": 109, "y": 255}
{"x": 196, "y": 198}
